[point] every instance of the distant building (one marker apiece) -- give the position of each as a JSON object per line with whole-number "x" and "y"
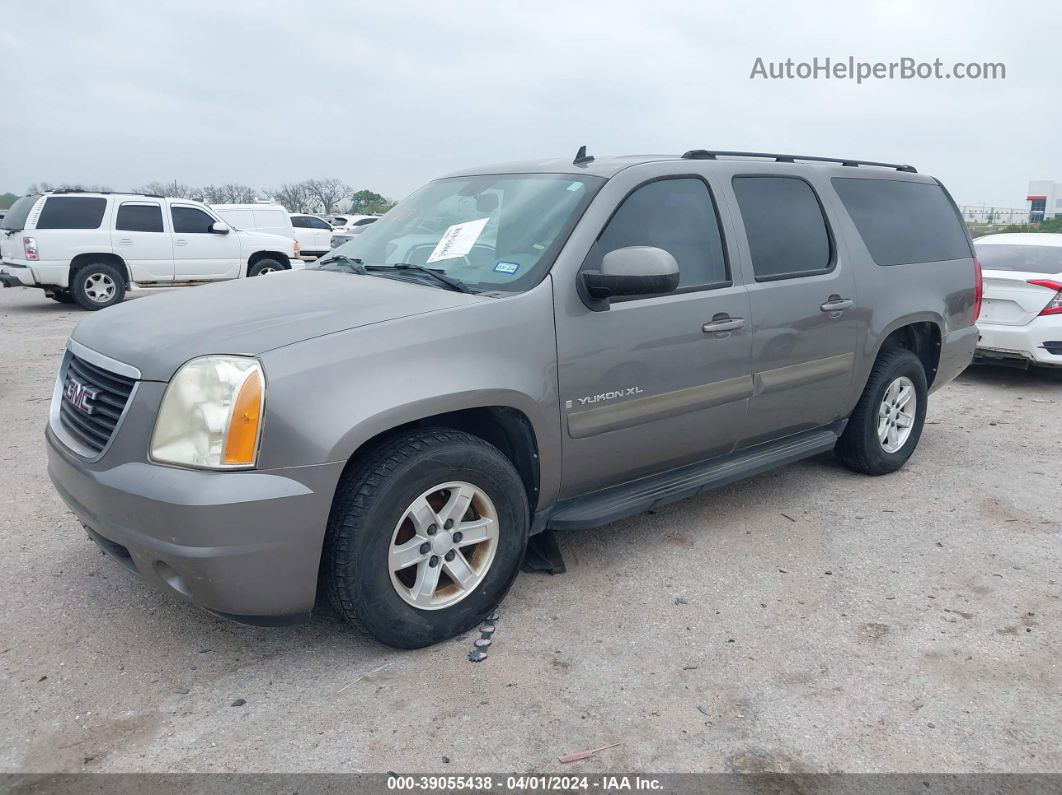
{"x": 1045, "y": 200}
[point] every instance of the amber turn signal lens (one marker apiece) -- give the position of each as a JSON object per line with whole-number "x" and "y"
{"x": 241, "y": 442}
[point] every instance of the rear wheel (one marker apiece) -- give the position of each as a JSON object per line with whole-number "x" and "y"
{"x": 264, "y": 266}
{"x": 425, "y": 537}
{"x": 97, "y": 285}
{"x": 887, "y": 422}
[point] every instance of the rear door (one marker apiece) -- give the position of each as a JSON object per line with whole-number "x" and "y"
{"x": 1019, "y": 281}
{"x": 805, "y": 321}
{"x": 141, "y": 238}
{"x": 198, "y": 253}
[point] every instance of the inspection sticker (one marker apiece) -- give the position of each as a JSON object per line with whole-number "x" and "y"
{"x": 458, "y": 240}
{"x": 507, "y": 267}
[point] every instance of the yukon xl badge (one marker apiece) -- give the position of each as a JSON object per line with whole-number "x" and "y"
{"x": 602, "y": 397}
{"x": 79, "y": 395}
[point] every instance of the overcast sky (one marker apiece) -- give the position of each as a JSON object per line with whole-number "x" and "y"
{"x": 388, "y": 95}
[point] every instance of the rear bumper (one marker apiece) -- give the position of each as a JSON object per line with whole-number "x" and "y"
{"x": 1038, "y": 342}
{"x": 244, "y": 545}
{"x": 16, "y": 274}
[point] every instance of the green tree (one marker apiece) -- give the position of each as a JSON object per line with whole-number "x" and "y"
{"x": 367, "y": 202}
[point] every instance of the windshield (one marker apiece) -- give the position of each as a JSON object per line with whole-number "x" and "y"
{"x": 19, "y": 211}
{"x": 494, "y": 232}
{"x": 1008, "y": 257}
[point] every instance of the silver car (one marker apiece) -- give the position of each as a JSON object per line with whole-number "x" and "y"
{"x": 513, "y": 349}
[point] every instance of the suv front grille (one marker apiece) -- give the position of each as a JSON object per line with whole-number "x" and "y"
{"x": 92, "y": 402}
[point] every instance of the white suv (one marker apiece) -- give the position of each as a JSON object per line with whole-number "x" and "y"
{"x": 88, "y": 247}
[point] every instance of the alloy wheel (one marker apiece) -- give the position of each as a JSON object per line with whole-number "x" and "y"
{"x": 896, "y": 414}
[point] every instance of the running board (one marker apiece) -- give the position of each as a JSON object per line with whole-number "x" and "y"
{"x": 639, "y": 496}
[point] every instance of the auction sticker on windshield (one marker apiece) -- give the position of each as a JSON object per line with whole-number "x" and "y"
{"x": 458, "y": 240}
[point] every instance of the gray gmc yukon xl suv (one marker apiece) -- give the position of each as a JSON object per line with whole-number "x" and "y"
{"x": 551, "y": 344}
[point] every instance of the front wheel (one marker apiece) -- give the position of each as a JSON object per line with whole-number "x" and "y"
{"x": 264, "y": 266}
{"x": 887, "y": 422}
{"x": 425, "y": 537}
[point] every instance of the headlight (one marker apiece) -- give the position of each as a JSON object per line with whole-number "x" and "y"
{"x": 211, "y": 414}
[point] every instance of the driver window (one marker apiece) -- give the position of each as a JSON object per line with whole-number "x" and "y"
{"x": 677, "y": 215}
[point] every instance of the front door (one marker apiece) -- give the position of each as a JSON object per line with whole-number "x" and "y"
{"x": 142, "y": 240}
{"x": 649, "y": 384}
{"x": 199, "y": 253}
{"x": 807, "y": 323}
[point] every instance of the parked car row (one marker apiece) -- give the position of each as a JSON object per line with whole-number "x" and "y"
{"x": 87, "y": 248}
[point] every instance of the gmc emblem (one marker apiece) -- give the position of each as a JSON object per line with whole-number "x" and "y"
{"x": 79, "y": 395}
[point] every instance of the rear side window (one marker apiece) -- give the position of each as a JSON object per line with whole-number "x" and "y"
{"x": 677, "y": 215}
{"x": 903, "y": 222}
{"x": 191, "y": 221}
{"x": 139, "y": 218}
{"x": 785, "y": 226}
{"x": 72, "y": 212}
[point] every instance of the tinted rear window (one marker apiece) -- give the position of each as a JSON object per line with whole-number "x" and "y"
{"x": 785, "y": 227}
{"x": 903, "y": 222}
{"x": 18, "y": 212}
{"x": 72, "y": 212}
{"x": 1034, "y": 259}
{"x": 139, "y": 218}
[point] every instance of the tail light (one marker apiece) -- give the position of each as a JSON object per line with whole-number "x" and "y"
{"x": 1054, "y": 306}
{"x": 29, "y": 245}
{"x": 979, "y": 289}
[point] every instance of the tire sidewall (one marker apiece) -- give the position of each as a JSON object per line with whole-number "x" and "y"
{"x": 78, "y": 279}
{"x": 905, "y": 364}
{"x": 383, "y": 612}
{"x": 256, "y": 269}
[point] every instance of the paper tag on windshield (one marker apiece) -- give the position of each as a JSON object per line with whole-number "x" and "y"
{"x": 458, "y": 240}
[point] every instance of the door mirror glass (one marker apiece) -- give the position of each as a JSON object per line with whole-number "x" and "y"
{"x": 631, "y": 271}
{"x": 219, "y": 228}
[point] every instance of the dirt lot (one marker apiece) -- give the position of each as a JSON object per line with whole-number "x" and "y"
{"x": 806, "y": 620}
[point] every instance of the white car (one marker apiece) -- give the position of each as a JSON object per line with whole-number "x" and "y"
{"x": 345, "y": 223}
{"x": 88, "y": 247}
{"x": 1021, "y": 314}
{"x": 313, "y": 233}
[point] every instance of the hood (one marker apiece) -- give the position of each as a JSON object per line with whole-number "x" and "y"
{"x": 159, "y": 333}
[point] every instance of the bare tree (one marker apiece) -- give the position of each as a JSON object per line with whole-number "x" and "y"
{"x": 175, "y": 189}
{"x": 295, "y": 197}
{"x": 44, "y": 187}
{"x": 229, "y": 193}
{"x": 327, "y": 192}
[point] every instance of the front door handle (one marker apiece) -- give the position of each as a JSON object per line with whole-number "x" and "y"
{"x": 723, "y": 324}
{"x": 836, "y": 304}
{"x": 180, "y": 242}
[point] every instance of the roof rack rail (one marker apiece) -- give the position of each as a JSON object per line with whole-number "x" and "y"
{"x": 709, "y": 154}
{"x": 78, "y": 190}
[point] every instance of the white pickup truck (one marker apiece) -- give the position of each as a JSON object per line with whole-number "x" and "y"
{"x": 87, "y": 248}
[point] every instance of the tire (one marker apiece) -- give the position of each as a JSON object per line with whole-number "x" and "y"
{"x": 62, "y": 297}
{"x": 264, "y": 266}
{"x": 860, "y": 447}
{"x": 97, "y": 285}
{"x": 371, "y": 519}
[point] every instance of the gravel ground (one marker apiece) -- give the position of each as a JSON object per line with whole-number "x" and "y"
{"x": 810, "y": 619}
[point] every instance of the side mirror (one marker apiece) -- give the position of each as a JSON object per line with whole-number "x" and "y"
{"x": 634, "y": 270}
{"x": 219, "y": 228}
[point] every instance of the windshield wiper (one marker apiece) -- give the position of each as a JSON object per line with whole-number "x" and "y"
{"x": 440, "y": 276}
{"x": 342, "y": 259}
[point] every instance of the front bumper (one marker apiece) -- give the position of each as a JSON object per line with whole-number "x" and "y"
{"x": 244, "y": 545}
{"x": 1038, "y": 342}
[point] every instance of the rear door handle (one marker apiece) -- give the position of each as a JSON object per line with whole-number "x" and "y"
{"x": 180, "y": 242}
{"x": 836, "y": 304}
{"x": 723, "y": 324}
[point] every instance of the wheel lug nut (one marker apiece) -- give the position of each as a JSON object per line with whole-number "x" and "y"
{"x": 450, "y": 555}
{"x": 449, "y": 524}
{"x": 457, "y": 536}
{"x": 424, "y": 548}
{"x": 432, "y": 529}
{"x": 434, "y": 561}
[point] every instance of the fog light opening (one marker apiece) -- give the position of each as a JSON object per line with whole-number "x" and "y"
{"x": 172, "y": 578}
